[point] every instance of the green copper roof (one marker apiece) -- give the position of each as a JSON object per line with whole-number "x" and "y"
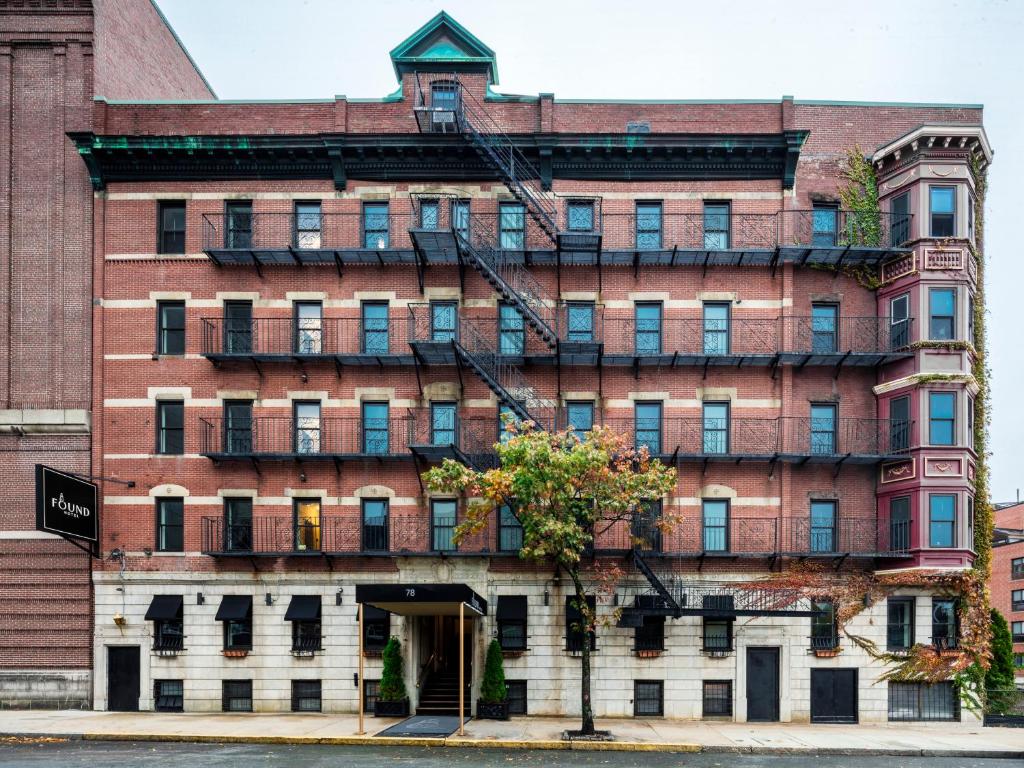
{"x": 443, "y": 41}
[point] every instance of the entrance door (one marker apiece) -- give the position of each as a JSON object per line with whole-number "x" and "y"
{"x": 833, "y": 695}
{"x": 123, "y": 678}
{"x": 762, "y": 684}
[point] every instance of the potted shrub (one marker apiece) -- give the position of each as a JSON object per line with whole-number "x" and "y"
{"x": 493, "y": 701}
{"x": 392, "y": 700}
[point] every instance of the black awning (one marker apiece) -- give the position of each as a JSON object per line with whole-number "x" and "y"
{"x": 421, "y": 599}
{"x": 511, "y": 608}
{"x": 234, "y": 608}
{"x": 372, "y": 613}
{"x": 303, "y": 608}
{"x": 164, "y": 608}
{"x": 572, "y": 612}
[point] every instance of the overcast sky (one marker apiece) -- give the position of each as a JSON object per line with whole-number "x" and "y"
{"x": 897, "y": 50}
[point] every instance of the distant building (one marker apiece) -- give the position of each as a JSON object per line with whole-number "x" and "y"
{"x": 1007, "y": 584}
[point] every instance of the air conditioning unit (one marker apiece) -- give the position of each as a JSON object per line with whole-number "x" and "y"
{"x": 442, "y": 121}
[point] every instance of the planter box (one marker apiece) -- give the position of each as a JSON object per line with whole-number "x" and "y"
{"x": 826, "y": 653}
{"x": 486, "y": 711}
{"x": 649, "y": 654}
{"x": 235, "y": 653}
{"x": 391, "y": 708}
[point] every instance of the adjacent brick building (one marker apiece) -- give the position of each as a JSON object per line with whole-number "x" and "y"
{"x": 54, "y": 57}
{"x": 300, "y": 306}
{"x": 1007, "y": 582}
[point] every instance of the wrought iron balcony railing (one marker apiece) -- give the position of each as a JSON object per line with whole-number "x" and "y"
{"x": 826, "y": 227}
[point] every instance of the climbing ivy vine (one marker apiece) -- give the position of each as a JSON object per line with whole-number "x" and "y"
{"x": 859, "y": 196}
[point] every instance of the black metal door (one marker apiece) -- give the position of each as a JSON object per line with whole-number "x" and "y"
{"x": 833, "y": 695}
{"x": 123, "y": 678}
{"x": 762, "y": 684}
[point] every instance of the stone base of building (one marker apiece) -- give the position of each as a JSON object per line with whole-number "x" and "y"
{"x": 45, "y": 689}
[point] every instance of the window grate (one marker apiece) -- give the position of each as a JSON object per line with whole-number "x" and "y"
{"x": 237, "y": 696}
{"x": 169, "y": 695}
{"x": 371, "y": 690}
{"x": 516, "y": 697}
{"x": 923, "y": 701}
{"x": 717, "y": 698}
{"x": 648, "y": 698}
{"x": 306, "y": 695}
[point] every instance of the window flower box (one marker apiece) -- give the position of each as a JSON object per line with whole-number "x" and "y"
{"x": 235, "y": 653}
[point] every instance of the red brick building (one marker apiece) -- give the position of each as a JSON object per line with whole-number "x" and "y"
{"x": 54, "y": 57}
{"x": 1007, "y": 583}
{"x": 300, "y": 306}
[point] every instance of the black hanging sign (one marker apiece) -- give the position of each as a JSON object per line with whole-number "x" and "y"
{"x": 66, "y": 505}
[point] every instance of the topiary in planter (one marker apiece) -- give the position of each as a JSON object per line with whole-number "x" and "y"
{"x": 493, "y": 704}
{"x": 392, "y": 700}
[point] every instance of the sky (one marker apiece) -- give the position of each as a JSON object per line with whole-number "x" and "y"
{"x": 970, "y": 51}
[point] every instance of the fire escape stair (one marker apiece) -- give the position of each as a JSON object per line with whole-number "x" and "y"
{"x": 659, "y": 587}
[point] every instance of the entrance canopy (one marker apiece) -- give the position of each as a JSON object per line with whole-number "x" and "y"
{"x": 421, "y": 599}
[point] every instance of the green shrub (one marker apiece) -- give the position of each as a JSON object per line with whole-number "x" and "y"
{"x": 492, "y": 687}
{"x": 392, "y": 684}
{"x": 999, "y": 684}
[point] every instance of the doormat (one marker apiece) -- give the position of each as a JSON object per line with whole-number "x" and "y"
{"x": 429, "y": 726}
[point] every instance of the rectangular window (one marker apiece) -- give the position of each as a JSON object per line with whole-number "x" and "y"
{"x": 371, "y": 690}
{"x": 715, "y": 525}
{"x": 1017, "y": 568}
{"x": 648, "y": 226}
{"x": 650, "y": 634}
{"x": 824, "y": 225}
{"x": 824, "y": 633}
{"x": 306, "y": 695}
{"x": 942, "y": 314}
{"x": 375, "y": 328}
{"x": 510, "y": 530}
{"x": 945, "y": 623}
{"x": 899, "y": 321}
{"x": 644, "y": 526}
{"x": 579, "y": 414}
{"x": 942, "y": 209}
{"x": 823, "y": 526}
{"x": 899, "y": 423}
{"x": 942, "y": 418}
{"x": 444, "y": 97}
{"x": 511, "y": 618}
{"x": 444, "y": 424}
{"x": 304, "y": 612}
{"x": 443, "y": 513}
{"x": 375, "y": 525}
{"x": 511, "y": 330}
{"x": 307, "y": 428}
{"x": 376, "y": 629}
{"x": 1017, "y": 631}
{"x": 923, "y": 701}
{"x": 899, "y": 524}
{"x": 235, "y": 613}
{"x": 238, "y": 524}
{"x": 170, "y": 419}
{"x": 574, "y": 624}
{"x": 580, "y": 214}
{"x": 376, "y": 226}
{"x": 717, "y": 698}
{"x": 444, "y": 318}
{"x": 648, "y": 328}
{"x": 238, "y": 327}
{"x": 900, "y": 623}
{"x": 648, "y": 698}
{"x": 171, "y": 226}
{"x": 511, "y": 226}
{"x": 717, "y": 634}
{"x": 309, "y": 328}
{"x": 1018, "y": 660}
{"x": 430, "y": 214}
{"x": 1017, "y": 600}
{"x": 308, "y": 225}
{"x": 516, "y": 698}
{"x": 169, "y": 695}
{"x": 824, "y": 329}
{"x": 238, "y": 228}
{"x": 375, "y": 429}
{"x": 716, "y": 428}
{"x": 170, "y": 331}
{"x": 461, "y": 218}
{"x": 716, "y": 226}
{"x": 307, "y": 525}
{"x": 170, "y": 525}
{"x": 579, "y": 317}
{"x": 823, "y": 429}
{"x": 167, "y": 614}
{"x": 237, "y": 696}
{"x": 899, "y": 220}
{"x": 648, "y": 427}
{"x": 970, "y": 217}
{"x": 970, "y": 522}
{"x": 941, "y": 520}
{"x": 716, "y": 329}
{"x": 238, "y": 426}
{"x": 506, "y": 418}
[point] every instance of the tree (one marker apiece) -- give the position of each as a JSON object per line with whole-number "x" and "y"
{"x": 392, "y": 684}
{"x": 492, "y": 687}
{"x": 566, "y": 489}
{"x": 999, "y": 678}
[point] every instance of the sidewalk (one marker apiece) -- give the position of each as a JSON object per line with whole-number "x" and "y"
{"x": 933, "y": 739}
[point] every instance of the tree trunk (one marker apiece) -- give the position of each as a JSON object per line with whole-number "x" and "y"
{"x": 586, "y": 709}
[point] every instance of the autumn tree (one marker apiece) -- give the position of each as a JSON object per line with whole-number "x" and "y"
{"x": 566, "y": 489}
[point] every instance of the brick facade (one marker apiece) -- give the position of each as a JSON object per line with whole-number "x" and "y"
{"x": 1006, "y": 580}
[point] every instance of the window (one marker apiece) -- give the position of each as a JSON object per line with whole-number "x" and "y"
{"x": 716, "y": 428}
{"x": 371, "y": 690}
{"x": 648, "y": 328}
{"x": 823, "y": 429}
{"x": 511, "y": 330}
{"x": 1017, "y": 631}
{"x": 900, "y": 623}
{"x": 375, "y": 328}
{"x": 1017, "y": 568}
{"x": 899, "y": 220}
{"x": 167, "y": 614}
{"x": 444, "y": 317}
{"x": 375, "y": 525}
{"x": 444, "y": 97}
{"x": 644, "y": 526}
{"x": 824, "y": 225}
{"x": 511, "y": 226}
{"x": 580, "y": 214}
{"x": 169, "y": 695}
{"x": 235, "y": 612}
{"x": 716, "y": 329}
{"x": 237, "y": 696}
{"x": 717, "y": 697}
{"x": 941, "y": 314}
{"x": 579, "y": 318}
{"x": 308, "y": 225}
{"x": 648, "y": 427}
{"x": 170, "y": 525}
{"x": 941, "y": 520}
{"x": 574, "y": 624}
{"x": 1018, "y": 660}
{"x": 510, "y": 530}
{"x": 579, "y": 414}
{"x": 443, "y": 513}
{"x": 506, "y": 418}
{"x": 443, "y": 424}
{"x": 970, "y": 422}
{"x": 942, "y": 418}
{"x": 304, "y": 613}
{"x": 717, "y": 633}
{"x": 170, "y": 331}
{"x": 648, "y": 698}
{"x": 650, "y": 634}
{"x": 238, "y": 426}
{"x": 238, "y": 227}
{"x": 309, "y": 328}
{"x": 923, "y": 701}
{"x": 516, "y": 698}
{"x": 375, "y": 429}
{"x": 945, "y": 623}
{"x": 376, "y": 629}
{"x": 899, "y": 423}
{"x": 970, "y": 523}
{"x": 971, "y": 333}
{"x": 715, "y": 520}
{"x": 171, "y": 226}
{"x": 306, "y": 695}
{"x": 824, "y": 635}
{"x": 238, "y": 524}
{"x": 460, "y": 217}
{"x": 307, "y": 428}
{"x": 899, "y": 321}
{"x": 716, "y": 226}
{"x": 430, "y": 211}
{"x": 376, "y": 226}
{"x": 648, "y": 226}
{"x": 942, "y": 209}
{"x": 511, "y": 618}
{"x": 970, "y": 217}
{"x": 1017, "y": 600}
{"x": 823, "y": 526}
{"x": 307, "y": 524}
{"x": 170, "y": 418}
{"x": 824, "y": 329}
{"x": 238, "y": 327}
{"x": 899, "y": 524}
